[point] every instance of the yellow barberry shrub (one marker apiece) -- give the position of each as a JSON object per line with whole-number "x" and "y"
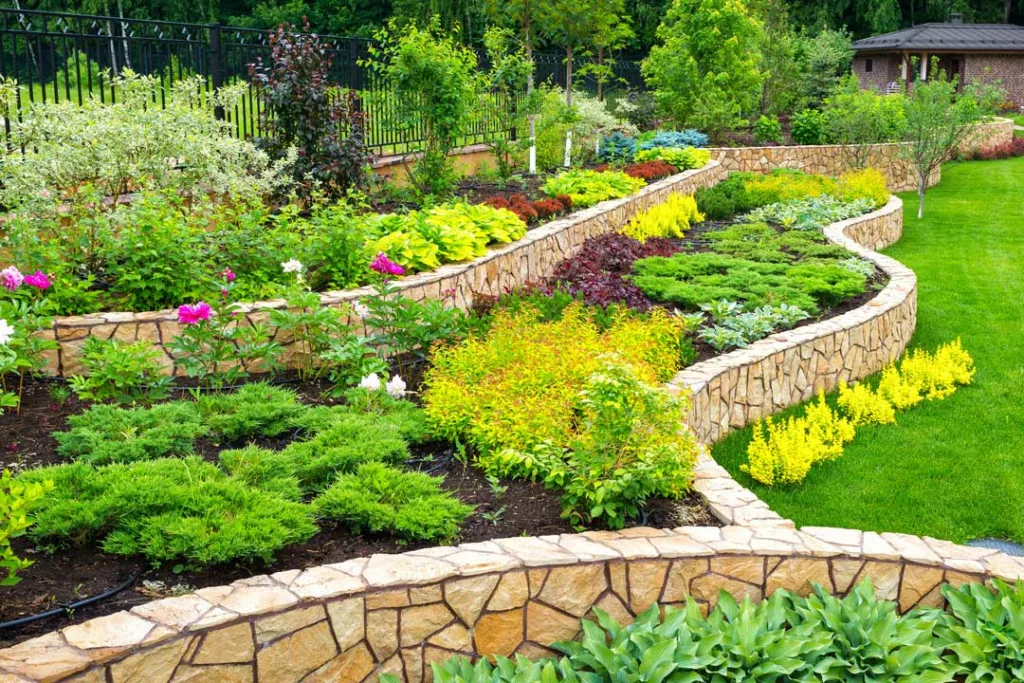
{"x": 784, "y": 185}
{"x": 671, "y": 218}
{"x": 953, "y": 356}
{"x": 924, "y": 375}
{"x": 518, "y": 385}
{"x": 895, "y": 389}
{"x": 782, "y": 452}
{"x": 864, "y": 406}
{"x": 824, "y": 425}
{"x": 866, "y": 183}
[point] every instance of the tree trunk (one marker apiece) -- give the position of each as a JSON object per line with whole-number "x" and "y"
{"x": 922, "y": 188}
{"x": 531, "y": 117}
{"x": 600, "y": 76}
{"x": 568, "y": 103}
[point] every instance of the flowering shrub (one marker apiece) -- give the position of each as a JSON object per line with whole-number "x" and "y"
{"x": 587, "y": 188}
{"x": 518, "y": 385}
{"x": 23, "y": 313}
{"x": 631, "y": 444}
{"x": 682, "y": 158}
{"x": 217, "y": 348}
{"x": 671, "y": 218}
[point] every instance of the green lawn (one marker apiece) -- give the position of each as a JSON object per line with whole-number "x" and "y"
{"x": 952, "y": 469}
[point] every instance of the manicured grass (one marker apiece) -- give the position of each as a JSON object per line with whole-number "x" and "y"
{"x": 952, "y": 469}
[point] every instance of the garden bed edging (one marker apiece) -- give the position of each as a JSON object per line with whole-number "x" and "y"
{"x": 504, "y": 266}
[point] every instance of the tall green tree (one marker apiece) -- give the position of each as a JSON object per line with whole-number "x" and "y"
{"x": 704, "y": 72}
{"x": 572, "y": 26}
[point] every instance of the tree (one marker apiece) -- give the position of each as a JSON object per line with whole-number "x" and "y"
{"x": 827, "y": 58}
{"x": 781, "y": 84}
{"x": 939, "y": 120}
{"x": 510, "y": 70}
{"x": 607, "y": 37}
{"x": 856, "y": 119}
{"x": 572, "y": 25}
{"x": 523, "y": 14}
{"x": 704, "y": 73}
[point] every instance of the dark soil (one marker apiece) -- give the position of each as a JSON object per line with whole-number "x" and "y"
{"x": 72, "y": 574}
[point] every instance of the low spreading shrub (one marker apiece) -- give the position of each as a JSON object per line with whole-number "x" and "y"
{"x": 672, "y": 138}
{"x": 631, "y": 444}
{"x": 690, "y": 280}
{"x": 106, "y": 434}
{"x": 866, "y": 183}
{"x": 256, "y": 409}
{"x": 587, "y": 188}
{"x": 683, "y": 158}
{"x": 166, "y": 510}
{"x": 671, "y": 218}
{"x": 786, "y": 637}
{"x": 813, "y": 213}
{"x": 381, "y": 499}
{"x": 518, "y": 385}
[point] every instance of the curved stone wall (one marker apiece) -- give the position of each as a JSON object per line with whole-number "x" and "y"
{"x": 745, "y": 385}
{"x": 837, "y": 159}
{"x": 396, "y": 614}
{"x": 529, "y": 259}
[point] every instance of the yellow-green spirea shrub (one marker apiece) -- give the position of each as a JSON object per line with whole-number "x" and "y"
{"x": 671, "y": 218}
{"x": 517, "y": 385}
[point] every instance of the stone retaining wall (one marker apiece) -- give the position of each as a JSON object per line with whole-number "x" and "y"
{"x": 529, "y": 259}
{"x": 745, "y": 385}
{"x": 837, "y": 159}
{"x": 352, "y": 621}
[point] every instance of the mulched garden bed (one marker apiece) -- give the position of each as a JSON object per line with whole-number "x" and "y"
{"x": 76, "y": 573}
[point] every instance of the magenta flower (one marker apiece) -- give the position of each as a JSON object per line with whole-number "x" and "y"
{"x": 227, "y": 275}
{"x": 382, "y": 264}
{"x": 190, "y": 314}
{"x": 39, "y": 280}
{"x": 11, "y": 278}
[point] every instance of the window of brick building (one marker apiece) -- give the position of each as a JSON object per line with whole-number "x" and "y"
{"x": 869, "y": 65}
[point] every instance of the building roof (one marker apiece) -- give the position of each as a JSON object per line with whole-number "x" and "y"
{"x": 948, "y": 37}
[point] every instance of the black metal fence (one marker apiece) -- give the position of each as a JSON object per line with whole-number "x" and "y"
{"x": 59, "y": 57}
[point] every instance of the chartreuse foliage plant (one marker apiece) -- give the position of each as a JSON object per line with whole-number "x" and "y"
{"x": 17, "y": 498}
{"x": 783, "y": 452}
{"x": 168, "y": 509}
{"x": 630, "y": 444}
{"x": 256, "y": 409}
{"x": 784, "y": 639}
{"x": 518, "y": 384}
{"x": 671, "y": 218}
{"x": 587, "y": 187}
{"x": 378, "y": 498}
{"x": 683, "y": 158}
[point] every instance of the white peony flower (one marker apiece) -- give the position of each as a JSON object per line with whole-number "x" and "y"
{"x": 371, "y": 382}
{"x": 396, "y": 386}
{"x": 6, "y": 332}
{"x": 360, "y": 309}
{"x": 291, "y": 266}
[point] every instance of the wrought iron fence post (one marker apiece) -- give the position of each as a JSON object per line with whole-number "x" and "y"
{"x": 216, "y": 66}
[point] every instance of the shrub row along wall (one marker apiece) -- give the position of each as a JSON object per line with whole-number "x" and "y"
{"x": 745, "y": 385}
{"x": 529, "y": 259}
{"x": 397, "y": 613}
{"x": 837, "y": 159}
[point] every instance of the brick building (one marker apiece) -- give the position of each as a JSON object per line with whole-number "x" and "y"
{"x": 974, "y": 52}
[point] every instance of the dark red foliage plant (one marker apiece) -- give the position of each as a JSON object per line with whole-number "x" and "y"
{"x": 597, "y": 271}
{"x": 1013, "y": 148}
{"x": 650, "y": 170}
{"x": 302, "y": 109}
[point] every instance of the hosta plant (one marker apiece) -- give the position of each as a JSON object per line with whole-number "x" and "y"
{"x": 587, "y": 188}
{"x": 984, "y": 634}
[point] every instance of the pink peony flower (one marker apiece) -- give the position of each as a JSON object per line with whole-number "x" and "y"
{"x": 39, "y": 280}
{"x": 11, "y": 278}
{"x": 382, "y": 264}
{"x": 228, "y": 275}
{"x": 190, "y": 314}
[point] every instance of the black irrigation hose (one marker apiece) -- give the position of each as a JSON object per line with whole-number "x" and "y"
{"x": 64, "y": 609}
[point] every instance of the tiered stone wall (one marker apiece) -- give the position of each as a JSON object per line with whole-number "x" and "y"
{"x": 396, "y": 614}
{"x": 837, "y": 159}
{"x": 529, "y": 259}
{"x": 743, "y": 386}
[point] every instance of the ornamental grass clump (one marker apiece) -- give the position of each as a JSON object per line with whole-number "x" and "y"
{"x": 671, "y": 218}
{"x": 518, "y": 384}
